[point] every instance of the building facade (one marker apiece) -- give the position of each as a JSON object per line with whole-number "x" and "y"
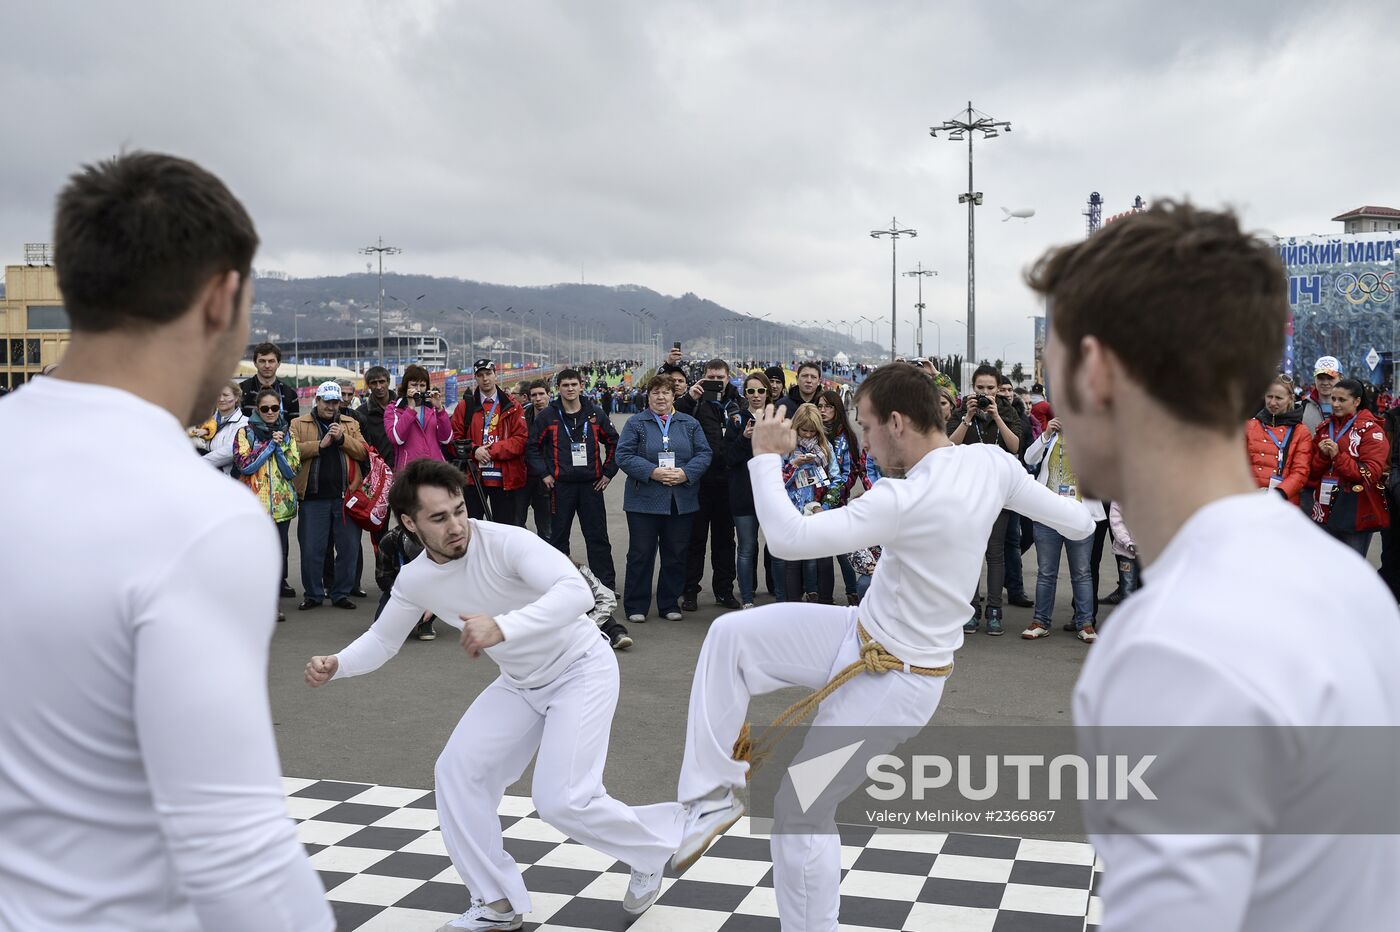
{"x": 34, "y": 328}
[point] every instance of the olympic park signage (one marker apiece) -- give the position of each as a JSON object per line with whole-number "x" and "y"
{"x": 1341, "y": 290}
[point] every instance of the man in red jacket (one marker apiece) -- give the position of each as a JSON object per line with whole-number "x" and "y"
{"x": 495, "y": 432}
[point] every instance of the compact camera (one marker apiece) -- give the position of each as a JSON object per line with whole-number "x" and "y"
{"x": 983, "y": 401}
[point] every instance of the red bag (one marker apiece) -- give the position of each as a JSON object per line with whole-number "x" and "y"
{"x": 367, "y": 504}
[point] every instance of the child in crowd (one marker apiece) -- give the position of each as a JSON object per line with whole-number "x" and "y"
{"x": 807, "y": 473}
{"x": 604, "y": 601}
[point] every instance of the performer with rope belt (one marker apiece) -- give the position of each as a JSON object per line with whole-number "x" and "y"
{"x": 881, "y": 664}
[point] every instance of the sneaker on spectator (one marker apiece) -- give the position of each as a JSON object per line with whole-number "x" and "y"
{"x": 689, "y": 604}
{"x": 748, "y": 605}
{"x": 673, "y": 615}
{"x": 637, "y": 619}
{"x": 1036, "y": 630}
{"x": 1087, "y": 634}
{"x": 621, "y": 640}
{"x": 424, "y": 631}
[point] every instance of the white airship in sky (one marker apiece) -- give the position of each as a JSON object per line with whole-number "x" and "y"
{"x": 1022, "y": 213}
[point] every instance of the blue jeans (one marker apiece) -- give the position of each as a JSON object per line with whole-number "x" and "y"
{"x": 646, "y": 534}
{"x": 1360, "y": 541}
{"x": 746, "y": 557}
{"x": 1047, "y": 552}
{"x": 320, "y": 520}
{"x": 1128, "y": 581}
{"x": 862, "y": 585}
{"x": 848, "y": 574}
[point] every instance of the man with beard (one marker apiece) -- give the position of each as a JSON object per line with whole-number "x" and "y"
{"x": 1218, "y": 637}
{"x": 522, "y": 603}
{"x": 139, "y": 782}
{"x": 914, "y": 611}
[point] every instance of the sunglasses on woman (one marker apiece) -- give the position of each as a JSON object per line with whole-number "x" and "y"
{"x": 755, "y": 391}
{"x": 269, "y": 409}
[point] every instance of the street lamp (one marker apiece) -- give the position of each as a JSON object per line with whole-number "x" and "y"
{"x": 967, "y": 123}
{"x": 920, "y": 273}
{"x": 894, "y": 233}
{"x": 939, "y": 330}
{"x": 381, "y": 251}
{"x": 471, "y": 314}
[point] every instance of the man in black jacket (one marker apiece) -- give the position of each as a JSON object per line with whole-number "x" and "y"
{"x": 267, "y": 357}
{"x": 573, "y": 449}
{"x": 378, "y": 400}
{"x": 808, "y": 387}
{"x": 537, "y": 495}
{"x": 712, "y": 400}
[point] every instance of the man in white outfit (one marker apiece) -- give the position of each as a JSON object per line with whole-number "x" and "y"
{"x": 139, "y": 781}
{"x": 1219, "y": 635}
{"x": 523, "y": 604}
{"x": 933, "y": 521}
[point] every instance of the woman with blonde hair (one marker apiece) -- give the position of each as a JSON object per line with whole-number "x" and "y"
{"x": 807, "y": 472}
{"x": 228, "y": 419}
{"x": 1280, "y": 448}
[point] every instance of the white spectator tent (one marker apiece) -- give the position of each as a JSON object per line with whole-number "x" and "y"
{"x": 841, "y": 359}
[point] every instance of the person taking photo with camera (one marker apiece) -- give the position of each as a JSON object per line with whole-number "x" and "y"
{"x": 418, "y": 424}
{"x": 712, "y": 401}
{"x": 989, "y": 418}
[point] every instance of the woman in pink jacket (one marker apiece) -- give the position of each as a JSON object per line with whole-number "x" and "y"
{"x": 417, "y": 425}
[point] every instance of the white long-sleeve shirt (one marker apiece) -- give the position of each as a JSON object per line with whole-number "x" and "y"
{"x": 933, "y": 527}
{"x": 539, "y": 601}
{"x": 139, "y": 780}
{"x": 1221, "y": 634}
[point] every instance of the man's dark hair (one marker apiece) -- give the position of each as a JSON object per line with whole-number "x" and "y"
{"x": 538, "y": 383}
{"x": 269, "y": 349}
{"x": 403, "y": 494}
{"x": 374, "y": 372}
{"x": 717, "y": 363}
{"x": 1181, "y": 296}
{"x": 810, "y": 365}
{"x": 1004, "y": 379}
{"x": 982, "y": 370}
{"x": 906, "y": 389}
{"x": 137, "y": 236}
{"x": 569, "y": 374}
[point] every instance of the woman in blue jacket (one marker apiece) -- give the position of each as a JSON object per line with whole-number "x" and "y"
{"x": 664, "y": 453}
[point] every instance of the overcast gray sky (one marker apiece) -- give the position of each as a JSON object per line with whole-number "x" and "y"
{"x": 742, "y": 151}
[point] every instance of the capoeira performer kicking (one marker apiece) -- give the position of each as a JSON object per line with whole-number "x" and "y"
{"x": 523, "y": 604}
{"x": 933, "y": 524}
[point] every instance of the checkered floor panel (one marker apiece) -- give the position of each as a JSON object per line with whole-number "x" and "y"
{"x": 382, "y": 860}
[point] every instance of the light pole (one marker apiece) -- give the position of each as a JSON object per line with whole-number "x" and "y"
{"x": 894, "y": 233}
{"x": 381, "y": 251}
{"x": 939, "y": 330}
{"x": 975, "y": 121}
{"x": 920, "y": 273}
{"x": 471, "y": 314}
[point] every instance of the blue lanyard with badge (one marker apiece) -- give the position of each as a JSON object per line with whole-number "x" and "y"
{"x": 490, "y": 470}
{"x": 1329, "y": 484}
{"x": 667, "y": 457}
{"x": 1276, "y": 479}
{"x": 578, "y": 449}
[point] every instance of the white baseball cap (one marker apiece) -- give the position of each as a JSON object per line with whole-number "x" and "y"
{"x": 1329, "y": 365}
{"x": 329, "y": 391}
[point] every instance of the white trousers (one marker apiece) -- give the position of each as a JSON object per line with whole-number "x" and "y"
{"x": 764, "y": 649}
{"x": 568, "y": 721}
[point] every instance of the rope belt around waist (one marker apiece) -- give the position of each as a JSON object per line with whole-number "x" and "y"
{"x": 873, "y": 659}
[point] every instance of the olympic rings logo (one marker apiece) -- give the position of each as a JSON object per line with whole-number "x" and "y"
{"x": 1358, "y": 289}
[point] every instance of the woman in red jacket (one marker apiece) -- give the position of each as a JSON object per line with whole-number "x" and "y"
{"x": 1349, "y": 461}
{"x": 1280, "y": 448}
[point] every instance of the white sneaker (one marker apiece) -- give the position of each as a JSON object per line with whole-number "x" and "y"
{"x": 674, "y": 616}
{"x": 642, "y": 891}
{"x": 705, "y": 820}
{"x": 482, "y": 918}
{"x": 747, "y": 605}
{"x": 637, "y": 619}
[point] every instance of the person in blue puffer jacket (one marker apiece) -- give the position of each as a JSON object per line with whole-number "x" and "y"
{"x": 664, "y": 453}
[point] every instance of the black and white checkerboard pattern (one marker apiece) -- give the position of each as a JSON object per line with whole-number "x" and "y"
{"x": 381, "y": 857}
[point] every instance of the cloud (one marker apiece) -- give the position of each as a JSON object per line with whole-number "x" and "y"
{"x": 740, "y": 151}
